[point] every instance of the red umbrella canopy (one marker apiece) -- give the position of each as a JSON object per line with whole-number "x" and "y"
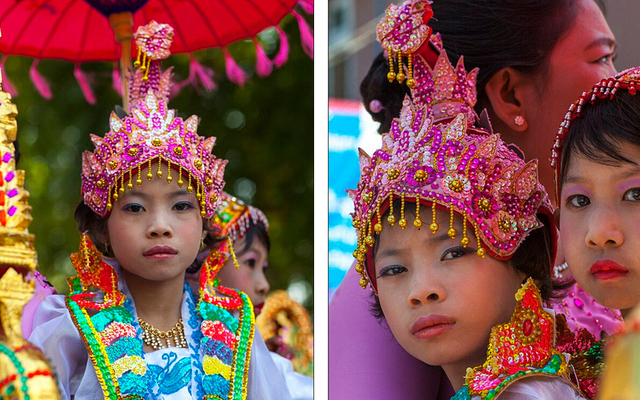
{"x": 80, "y": 31}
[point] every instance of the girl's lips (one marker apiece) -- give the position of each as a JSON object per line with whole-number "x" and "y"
{"x": 257, "y": 308}
{"x": 431, "y": 326}
{"x": 160, "y": 252}
{"x": 607, "y": 269}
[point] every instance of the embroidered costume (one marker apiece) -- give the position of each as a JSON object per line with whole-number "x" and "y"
{"x": 439, "y": 156}
{"x": 95, "y": 335}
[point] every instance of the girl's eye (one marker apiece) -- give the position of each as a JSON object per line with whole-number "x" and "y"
{"x": 608, "y": 59}
{"x": 251, "y": 262}
{"x": 456, "y": 252}
{"x": 183, "y": 206}
{"x": 632, "y": 194}
{"x": 578, "y": 201}
{"x": 133, "y": 208}
{"x": 392, "y": 270}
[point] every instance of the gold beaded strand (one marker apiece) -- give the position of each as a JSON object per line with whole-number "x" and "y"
{"x": 452, "y": 231}
{"x": 402, "y": 222}
{"x": 417, "y": 223}
{"x": 434, "y": 225}
{"x": 391, "y": 219}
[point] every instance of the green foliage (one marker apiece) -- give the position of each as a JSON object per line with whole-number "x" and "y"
{"x": 265, "y": 130}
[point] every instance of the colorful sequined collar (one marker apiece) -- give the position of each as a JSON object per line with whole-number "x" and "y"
{"x": 112, "y": 336}
{"x": 523, "y": 347}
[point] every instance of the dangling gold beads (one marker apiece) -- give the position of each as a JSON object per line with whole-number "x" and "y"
{"x": 391, "y": 75}
{"x": 169, "y": 177}
{"x": 465, "y": 240}
{"x": 130, "y": 184}
{"x": 378, "y": 225}
{"x": 233, "y": 254}
{"x": 434, "y": 225}
{"x": 109, "y": 205}
{"x": 189, "y": 187}
{"x": 481, "y": 251}
{"x": 391, "y": 219}
{"x": 411, "y": 83}
{"x": 452, "y": 231}
{"x": 180, "y": 181}
{"x": 121, "y": 190}
{"x": 149, "y": 174}
{"x": 400, "y": 77}
{"x": 139, "y": 180}
{"x": 159, "y": 171}
{"x": 417, "y": 223}
{"x": 402, "y": 222}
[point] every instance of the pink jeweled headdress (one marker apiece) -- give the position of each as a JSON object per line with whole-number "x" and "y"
{"x": 437, "y": 157}
{"x": 604, "y": 90}
{"x": 151, "y": 133}
{"x": 234, "y": 218}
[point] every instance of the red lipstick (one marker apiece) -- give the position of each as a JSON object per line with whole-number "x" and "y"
{"x": 160, "y": 252}
{"x": 607, "y": 269}
{"x": 431, "y": 326}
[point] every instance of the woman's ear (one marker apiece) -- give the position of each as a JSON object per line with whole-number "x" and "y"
{"x": 506, "y": 91}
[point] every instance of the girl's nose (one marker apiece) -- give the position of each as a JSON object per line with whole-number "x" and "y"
{"x": 604, "y": 229}
{"x": 425, "y": 288}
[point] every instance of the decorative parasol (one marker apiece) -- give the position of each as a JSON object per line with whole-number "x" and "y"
{"x": 80, "y": 31}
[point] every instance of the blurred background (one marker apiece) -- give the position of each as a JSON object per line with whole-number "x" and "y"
{"x": 352, "y": 48}
{"x": 264, "y": 129}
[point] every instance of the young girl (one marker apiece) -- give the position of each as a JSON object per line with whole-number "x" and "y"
{"x": 131, "y": 327}
{"x": 247, "y": 229}
{"x": 450, "y": 224}
{"x": 596, "y": 157}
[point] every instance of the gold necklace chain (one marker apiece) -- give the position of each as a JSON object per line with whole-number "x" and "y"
{"x": 157, "y": 339}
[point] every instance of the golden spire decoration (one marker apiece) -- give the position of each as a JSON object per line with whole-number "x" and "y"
{"x": 25, "y": 373}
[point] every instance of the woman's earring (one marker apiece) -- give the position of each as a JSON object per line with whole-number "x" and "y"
{"x": 519, "y": 120}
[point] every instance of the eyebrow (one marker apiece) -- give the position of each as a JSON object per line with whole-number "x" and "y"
{"x": 146, "y": 196}
{"x": 394, "y": 251}
{"x": 606, "y": 40}
{"x": 623, "y": 175}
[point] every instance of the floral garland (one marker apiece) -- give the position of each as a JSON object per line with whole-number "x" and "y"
{"x": 521, "y": 348}
{"x": 113, "y": 337}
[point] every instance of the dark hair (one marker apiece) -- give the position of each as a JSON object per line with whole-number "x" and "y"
{"x": 602, "y": 131}
{"x": 256, "y": 231}
{"x": 492, "y": 35}
{"x": 376, "y": 86}
{"x": 534, "y": 257}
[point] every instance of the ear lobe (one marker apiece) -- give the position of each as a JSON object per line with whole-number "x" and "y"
{"x": 505, "y": 90}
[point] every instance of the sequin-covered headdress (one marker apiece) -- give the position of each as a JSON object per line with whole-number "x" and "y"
{"x": 151, "y": 133}
{"x": 604, "y": 90}
{"x": 233, "y": 217}
{"x": 435, "y": 156}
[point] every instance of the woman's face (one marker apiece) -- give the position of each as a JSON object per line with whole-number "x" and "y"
{"x": 599, "y": 218}
{"x": 440, "y": 299}
{"x": 583, "y": 56}
{"x": 250, "y": 277}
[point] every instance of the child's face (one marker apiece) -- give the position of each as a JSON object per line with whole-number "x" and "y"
{"x": 439, "y": 299}
{"x": 250, "y": 277}
{"x": 155, "y": 230}
{"x": 599, "y": 227}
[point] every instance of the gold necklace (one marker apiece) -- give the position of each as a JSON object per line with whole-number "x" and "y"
{"x": 157, "y": 339}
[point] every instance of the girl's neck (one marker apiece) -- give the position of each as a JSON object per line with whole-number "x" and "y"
{"x": 457, "y": 371}
{"x": 158, "y": 303}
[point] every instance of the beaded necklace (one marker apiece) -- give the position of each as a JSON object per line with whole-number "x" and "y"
{"x": 221, "y": 347}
